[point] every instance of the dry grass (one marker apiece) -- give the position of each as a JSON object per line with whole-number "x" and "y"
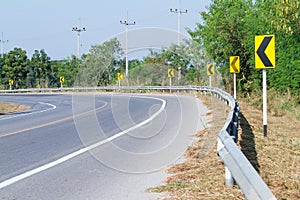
{"x": 276, "y": 157}
{"x": 7, "y": 108}
{"x": 278, "y": 154}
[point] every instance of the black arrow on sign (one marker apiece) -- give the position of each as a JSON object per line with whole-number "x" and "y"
{"x": 210, "y": 69}
{"x": 235, "y": 69}
{"x": 171, "y": 73}
{"x": 261, "y": 51}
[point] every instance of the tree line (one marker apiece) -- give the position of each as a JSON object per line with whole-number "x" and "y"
{"x": 99, "y": 67}
{"x": 95, "y": 68}
{"x": 37, "y": 72}
{"x": 228, "y": 29}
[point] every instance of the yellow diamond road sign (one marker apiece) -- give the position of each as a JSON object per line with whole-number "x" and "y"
{"x": 234, "y": 64}
{"x": 10, "y": 82}
{"x": 264, "y": 51}
{"x": 210, "y": 69}
{"x": 170, "y": 73}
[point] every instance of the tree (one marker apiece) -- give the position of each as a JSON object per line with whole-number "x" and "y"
{"x": 99, "y": 64}
{"x": 40, "y": 67}
{"x": 2, "y": 80}
{"x": 16, "y": 67}
{"x": 68, "y": 68}
{"x": 282, "y": 18}
{"x": 169, "y": 57}
{"x": 189, "y": 59}
{"x": 229, "y": 29}
{"x": 150, "y": 74}
{"x": 225, "y": 33}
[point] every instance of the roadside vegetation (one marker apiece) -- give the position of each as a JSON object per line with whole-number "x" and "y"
{"x": 213, "y": 41}
{"x": 228, "y": 28}
{"x": 275, "y": 157}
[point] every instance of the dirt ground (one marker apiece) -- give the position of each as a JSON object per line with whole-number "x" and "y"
{"x": 7, "y": 108}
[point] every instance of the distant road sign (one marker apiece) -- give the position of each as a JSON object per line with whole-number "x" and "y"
{"x": 210, "y": 69}
{"x": 10, "y": 82}
{"x": 234, "y": 64}
{"x": 61, "y": 79}
{"x": 120, "y": 76}
{"x": 264, "y": 51}
{"x": 171, "y": 73}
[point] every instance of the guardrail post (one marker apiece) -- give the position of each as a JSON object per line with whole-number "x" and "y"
{"x": 233, "y": 131}
{"x": 228, "y": 176}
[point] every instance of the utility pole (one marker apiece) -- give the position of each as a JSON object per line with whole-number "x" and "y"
{"x": 126, "y": 23}
{"x": 179, "y": 70}
{"x": 2, "y": 41}
{"x": 179, "y": 12}
{"x": 78, "y": 30}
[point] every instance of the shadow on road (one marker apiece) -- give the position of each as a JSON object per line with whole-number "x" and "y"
{"x": 247, "y": 142}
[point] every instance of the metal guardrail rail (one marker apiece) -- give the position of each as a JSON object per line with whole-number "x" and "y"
{"x": 237, "y": 166}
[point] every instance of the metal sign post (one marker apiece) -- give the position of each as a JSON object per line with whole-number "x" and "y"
{"x": 264, "y": 59}
{"x": 265, "y": 115}
{"x": 61, "y": 80}
{"x": 210, "y": 70}
{"x": 120, "y": 77}
{"x": 170, "y": 75}
{"x": 234, "y": 85}
{"x": 10, "y": 82}
{"x": 234, "y": 68}
{"x": 170, "y": 84}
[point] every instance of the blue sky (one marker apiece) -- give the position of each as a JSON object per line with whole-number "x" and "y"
{"x": 47, "y": 24}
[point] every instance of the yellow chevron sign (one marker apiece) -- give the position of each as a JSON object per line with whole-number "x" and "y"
{"x": 61, "y": 79}
{"x": 171, "y": 73}
{"x": 120, "y": 76}
{"x": 234, "y": 64}
{"x": 264, "y": 51}
{"x": 210, "y": 69}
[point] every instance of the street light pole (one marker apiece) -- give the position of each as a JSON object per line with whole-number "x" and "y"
{"x": 2, "y": 41}
{"x": 126, "y": 23}
{"x": 78, "y": 30}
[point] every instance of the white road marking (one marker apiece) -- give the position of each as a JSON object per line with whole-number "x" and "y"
{"x": 31, "y": 113}
{"x": 83, "y": 150}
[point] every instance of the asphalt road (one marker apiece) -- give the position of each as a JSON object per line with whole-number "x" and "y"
{"x": 93, "y": 146}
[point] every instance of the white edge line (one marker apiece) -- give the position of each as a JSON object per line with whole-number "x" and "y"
{"x": 81, "y": 151}
{"x": 25, "y": 114}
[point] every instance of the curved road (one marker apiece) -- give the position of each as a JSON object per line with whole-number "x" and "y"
{"x": 93, "y": 146}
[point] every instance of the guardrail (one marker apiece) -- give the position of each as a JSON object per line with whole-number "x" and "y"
{"x": 237, "y": 166}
